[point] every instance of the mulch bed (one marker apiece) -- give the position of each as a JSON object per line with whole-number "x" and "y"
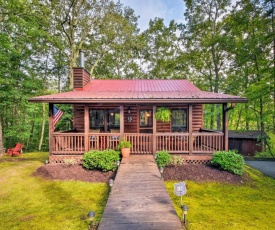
{"x": 197, "y": 173}
{"x": 73, "y": 172}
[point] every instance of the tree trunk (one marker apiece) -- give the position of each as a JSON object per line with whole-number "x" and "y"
{"x": 1, "y": 137}
{"x": 43, "y": 127}
{"x": 31, "y": 135}
{"x": 273, "y": 31}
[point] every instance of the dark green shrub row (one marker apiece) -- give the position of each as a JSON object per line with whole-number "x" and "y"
{"x": 163, "y": 158}
{"x": 103, "y": 160}
{"x": 229, "y": 161}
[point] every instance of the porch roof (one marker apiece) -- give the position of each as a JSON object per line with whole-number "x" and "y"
{"x": 139, "y": 91}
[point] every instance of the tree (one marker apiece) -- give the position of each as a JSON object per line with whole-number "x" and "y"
{"x": 207, "y": 41}
{"x": 161, "y": 50}
{"x": 23, "y": 37}
{"x": 113, "y": 51}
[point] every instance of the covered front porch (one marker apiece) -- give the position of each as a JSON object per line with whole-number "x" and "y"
{"x": 102, "y": 127}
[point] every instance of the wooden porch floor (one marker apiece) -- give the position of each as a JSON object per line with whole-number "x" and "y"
{"x": 139, "y": 199}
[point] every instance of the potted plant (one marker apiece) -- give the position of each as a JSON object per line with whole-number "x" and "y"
{"x": 163, "y": 114}
{"x": 124, "y": 147}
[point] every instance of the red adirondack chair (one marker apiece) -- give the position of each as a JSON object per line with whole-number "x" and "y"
{"x": 16, "y": 150}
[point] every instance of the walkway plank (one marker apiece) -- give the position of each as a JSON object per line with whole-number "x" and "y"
{"x": 139, "y": 199}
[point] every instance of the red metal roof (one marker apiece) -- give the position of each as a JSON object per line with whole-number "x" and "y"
{"x": 155, "y": 91}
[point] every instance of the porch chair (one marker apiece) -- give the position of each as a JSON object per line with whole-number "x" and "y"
{"x": 94, "y": 139}
{"x": 17, "y": 150}
{"x": 114, "y": 139}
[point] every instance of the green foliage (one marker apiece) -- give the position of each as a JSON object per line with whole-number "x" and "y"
{"x": 105, "y": 160}
{"x": 177, "y": 160}
{"x": 163, "y": 158}
{"x": 263, "y": 155}
{"x": 163, "y": 114}
{"x": 124, "y": 144}
{"x": 229, "y": 161}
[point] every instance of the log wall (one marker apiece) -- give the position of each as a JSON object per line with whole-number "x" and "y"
{"x": 133, "y": 126}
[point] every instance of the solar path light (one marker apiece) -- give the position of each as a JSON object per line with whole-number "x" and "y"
{"x": 161, "y": 172}
{"x": 184, "y": 209}
{"x": 91, "y": 216}
{"x": 111, "y": 184}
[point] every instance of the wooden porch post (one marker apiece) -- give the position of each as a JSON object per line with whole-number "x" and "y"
{"x": 225, "y": 126}
{"x": 190, "y": 127}
{"x": 86, "y": 128}
{"x": 51, "y": 128}
{"x": 121, "y": 125}
{"x": 154, "y": 130}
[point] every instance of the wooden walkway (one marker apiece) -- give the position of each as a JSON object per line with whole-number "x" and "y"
{"x": 139, "y": 199}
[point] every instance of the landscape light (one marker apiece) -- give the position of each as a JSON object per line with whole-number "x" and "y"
{"x": 91, "y": 216}
{"x": 111, "y": 183}
{"x": 184, "y": 209}
{"x": 161, "y": 172}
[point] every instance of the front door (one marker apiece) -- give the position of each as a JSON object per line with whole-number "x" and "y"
{"x": 145, "y": 127}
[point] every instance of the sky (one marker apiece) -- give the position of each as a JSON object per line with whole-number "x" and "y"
{"x": 150, "y": 9}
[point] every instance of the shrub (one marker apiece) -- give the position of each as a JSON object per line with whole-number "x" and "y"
{"x": 263, "y": 155}
{"x": 103, "y": 160}
{"x": 163, "y": 158}
{"x": 70, "y": 161}
{"x": 229, "y": 161}
{"x": 177, "y": 160}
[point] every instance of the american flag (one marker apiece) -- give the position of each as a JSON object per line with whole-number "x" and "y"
{"x": 57, "y": 114}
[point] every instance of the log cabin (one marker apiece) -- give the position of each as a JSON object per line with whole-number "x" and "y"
{"x": 107, "y": 111}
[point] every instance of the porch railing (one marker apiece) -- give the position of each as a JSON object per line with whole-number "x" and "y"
{"x": 173, "y": 142}
{"x": 141, "y": 143}
{"x": 68, "y": 143}
{"x": 208, "y": 142}
{"x": 101, "y": 141}
{"x": 74, "y": 143}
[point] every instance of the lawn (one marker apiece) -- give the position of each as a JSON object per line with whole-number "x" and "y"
{"x": 226, "y": 206}
{"x": 29, "y": 202}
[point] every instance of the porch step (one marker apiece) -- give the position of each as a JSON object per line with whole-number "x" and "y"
{"x": 139, "y": 199}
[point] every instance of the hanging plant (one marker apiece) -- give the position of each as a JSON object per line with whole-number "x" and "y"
{"x": 163, "y": 114}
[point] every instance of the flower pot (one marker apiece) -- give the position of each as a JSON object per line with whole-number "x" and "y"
{"x": 125, "y": 152}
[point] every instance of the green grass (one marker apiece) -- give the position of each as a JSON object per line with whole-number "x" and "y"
{"x": 225, "y": 206}
{"x": 28, "y": 202}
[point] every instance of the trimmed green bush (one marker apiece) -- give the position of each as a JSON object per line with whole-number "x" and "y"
{"x": 163, "y": 158}
{"x": 105, "y": 160}
{"x": 229, "y": 161}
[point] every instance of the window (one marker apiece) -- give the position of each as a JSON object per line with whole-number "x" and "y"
{"x": 113, "y": 119}
{"x": 104, "y": 119}
{"x": 97, "y": 119}
{"x": 145, "y": 118}
{"x": 179, "y": 120}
